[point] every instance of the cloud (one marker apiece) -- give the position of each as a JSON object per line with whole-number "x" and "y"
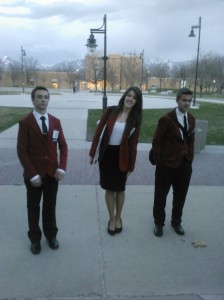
{"x": 53, "y": 31}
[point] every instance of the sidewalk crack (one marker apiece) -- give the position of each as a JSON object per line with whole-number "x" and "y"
{"x": 102, "y": 260}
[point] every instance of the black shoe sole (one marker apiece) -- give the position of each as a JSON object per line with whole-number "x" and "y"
{"x": 158, "y": 234}
{"x": 53, "y": 245}
{"x": 111, "y": 232}
{"x": 118, "y": 230}
{"x": 35, "y": 250}
{"x": 178, "y": 231}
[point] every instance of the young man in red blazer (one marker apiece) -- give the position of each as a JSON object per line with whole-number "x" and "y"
{"x": 173, "y": 153}
{"x": 40, "y": 136}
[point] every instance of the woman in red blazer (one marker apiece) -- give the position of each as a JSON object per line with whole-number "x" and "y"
{"x": 119, "y": 127}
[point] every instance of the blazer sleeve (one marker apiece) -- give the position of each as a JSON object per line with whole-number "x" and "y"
{"x": 191, "y": 137}
{"x": 159, "y": 134}
{"x": 23, "y": 151}
{"x": 133, "y": 148}
{"x": 63, "y": 149}
{"x": 98, "y": 131}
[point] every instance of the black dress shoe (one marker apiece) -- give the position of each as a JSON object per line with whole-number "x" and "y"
{"x": 158, "y": 230}
{"x": 53, "y": 244}
{"x": 35, "y": 248}
{"x": 111, "y": 232}
{"x": 118, "y": 230}
{"x": 178, "y": 229}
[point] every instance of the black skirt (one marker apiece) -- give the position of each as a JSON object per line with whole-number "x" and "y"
{"x": 111, "y": 178}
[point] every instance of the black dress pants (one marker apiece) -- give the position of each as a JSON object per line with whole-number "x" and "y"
{"x": 48, "y": 190}
{"x": 179, "y": 179}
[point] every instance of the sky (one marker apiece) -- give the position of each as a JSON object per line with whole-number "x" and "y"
{"x": 52, "y": 31}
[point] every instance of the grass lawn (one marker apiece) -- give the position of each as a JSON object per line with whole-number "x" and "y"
{"x": 9, "y": 93}
{"x": 213, "y": 113}
{"x": 11, "y": 115}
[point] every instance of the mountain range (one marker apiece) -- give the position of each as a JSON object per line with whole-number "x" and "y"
{"x": 76, "y": 64}
{"x": 79, "y": 64}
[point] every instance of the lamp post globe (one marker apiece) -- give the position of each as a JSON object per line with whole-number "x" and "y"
{"x": 91, "y": 46}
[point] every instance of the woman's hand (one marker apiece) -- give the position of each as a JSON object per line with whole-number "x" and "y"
{"x": 91, "y": 160}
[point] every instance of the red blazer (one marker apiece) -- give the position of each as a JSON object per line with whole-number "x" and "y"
{"x": 169, "y": 148}
{"x": 128, "y": 146}
{"x": 38, "y": 153}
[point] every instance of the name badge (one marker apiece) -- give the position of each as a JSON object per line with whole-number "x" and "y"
{"x": 55, "y": 135}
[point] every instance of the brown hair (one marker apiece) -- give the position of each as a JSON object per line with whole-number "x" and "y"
{"x": 37, "y": 88}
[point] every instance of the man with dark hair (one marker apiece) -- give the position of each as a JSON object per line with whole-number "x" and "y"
{"x": 173, "y": 153}
{"x": 40, "y": 135}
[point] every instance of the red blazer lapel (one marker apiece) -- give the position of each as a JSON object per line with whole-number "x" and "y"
{"x": 173, "y": 116}
{"x": 33, "y": 123}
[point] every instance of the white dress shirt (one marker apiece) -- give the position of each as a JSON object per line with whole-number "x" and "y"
{"x": 117, "y": 133}
{"x": 39, "y": 121}
{"x": 180, "y": 118}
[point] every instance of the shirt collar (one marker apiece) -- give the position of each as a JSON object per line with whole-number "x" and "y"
{"x": 179, "y": 113}
{"x": 38, "y": 116}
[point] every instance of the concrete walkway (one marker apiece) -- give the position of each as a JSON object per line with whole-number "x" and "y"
{"x": 90, "y": 264}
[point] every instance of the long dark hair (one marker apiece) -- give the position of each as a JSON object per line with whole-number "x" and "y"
{"x": 135, "y": 116}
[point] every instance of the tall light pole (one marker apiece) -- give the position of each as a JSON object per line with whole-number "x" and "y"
{"x": 142, "y": 58}
{"x": 23, "y": 53}
{"x": 91, "y": 46}
{"x": 196, "y": 73}
{"x": 77, "y": 75}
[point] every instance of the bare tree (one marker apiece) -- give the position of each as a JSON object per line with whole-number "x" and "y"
{"x": 180, "y": 74}
{"x": 220, "y": 81}
{"x": 146, "y": 74}
{"x": 94, "y": 65}
{"x": 30, "y": 69}
{"x": 131, "y": 70}
{"x": 70, "y": 70}
{"x": 210, "y": 72}
{"x": 160, "y": 70}
{"x": 75, "y": 72}
{"x": 113, "y": 72}
{"x": 15, "y": 73}
{"x": 1, "y": 68}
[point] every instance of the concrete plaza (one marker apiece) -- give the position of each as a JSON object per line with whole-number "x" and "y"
{"x": 90, "y": 264}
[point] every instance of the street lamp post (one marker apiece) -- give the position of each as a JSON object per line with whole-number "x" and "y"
{"x": 23, "y": 53}
{"x": 91, "y": 46}
{"x": 77, "y": 75}
{"x": 142, "y": 58}
{"x": 196, "y": 73}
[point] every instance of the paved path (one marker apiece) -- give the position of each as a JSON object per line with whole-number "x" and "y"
{"x": 90, "y": 264}
{"x": 207, "y": 169}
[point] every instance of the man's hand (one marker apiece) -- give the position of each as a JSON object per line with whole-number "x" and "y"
{"x": 91, "y": 160}
{"x": 36, "y": 182}
{"x": 59, "y": 175}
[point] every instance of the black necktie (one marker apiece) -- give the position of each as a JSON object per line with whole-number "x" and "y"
{"x": 185, "y": 123}
{"x": 44, "y": 126}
